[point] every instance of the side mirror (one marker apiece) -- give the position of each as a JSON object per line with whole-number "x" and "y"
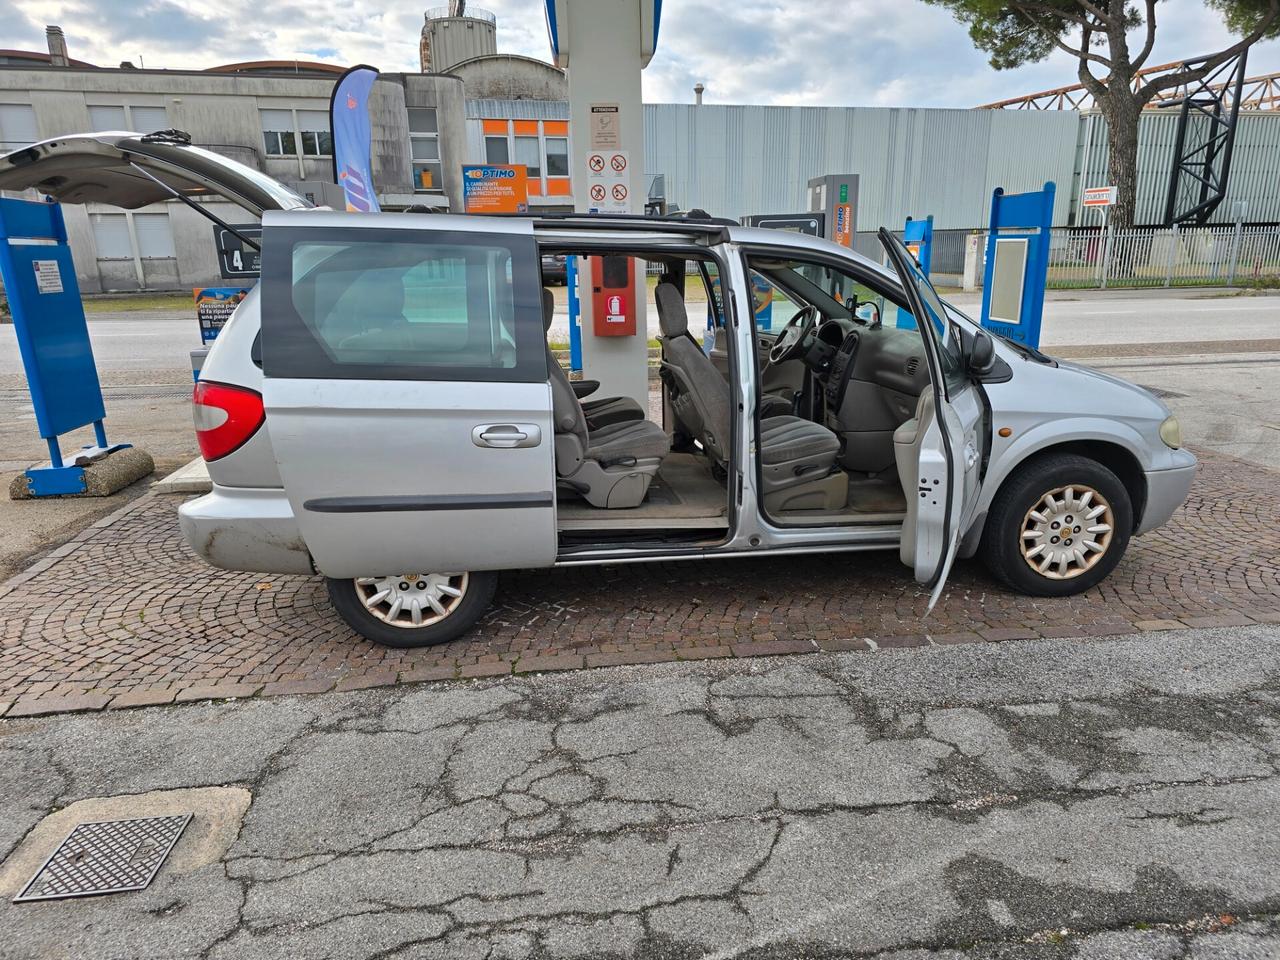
{"x": 982, "y": 355}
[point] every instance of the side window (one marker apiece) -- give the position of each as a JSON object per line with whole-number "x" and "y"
{"x": 368, "y": 305}
{"x": 710, "y": 275}
{"x": 950, "y": 350}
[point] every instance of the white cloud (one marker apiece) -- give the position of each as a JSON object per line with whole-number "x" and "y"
{"x": 873, "y": 52}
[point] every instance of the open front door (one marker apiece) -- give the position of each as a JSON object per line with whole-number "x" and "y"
{"x": 406, "y": 391}
{"x": 944, "y": 438}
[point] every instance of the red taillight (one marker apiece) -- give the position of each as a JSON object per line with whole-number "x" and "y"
{"x": 225, "y": 417}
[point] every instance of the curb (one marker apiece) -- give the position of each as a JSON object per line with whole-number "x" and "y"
{"x": 205, "y": 692}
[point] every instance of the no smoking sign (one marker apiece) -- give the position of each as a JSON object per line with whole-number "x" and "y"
{"x": 608, "y": 181}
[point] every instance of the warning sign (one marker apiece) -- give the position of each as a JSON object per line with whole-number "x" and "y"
{"x": 48, "y": 276}
{"x": 604, "y": 126}
{"x": 609, "y": 181}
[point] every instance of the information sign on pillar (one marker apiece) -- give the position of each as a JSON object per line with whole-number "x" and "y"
{"x": 53, "y": 339}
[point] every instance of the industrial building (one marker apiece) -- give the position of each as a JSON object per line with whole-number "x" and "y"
{"x": 472, "y": 104}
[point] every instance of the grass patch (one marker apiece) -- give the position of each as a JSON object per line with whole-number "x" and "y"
{"x": 141, "y": 301}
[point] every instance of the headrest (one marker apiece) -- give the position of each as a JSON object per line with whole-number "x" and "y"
{"x": 548, "y": 309}
{"x": 671, "y": 313}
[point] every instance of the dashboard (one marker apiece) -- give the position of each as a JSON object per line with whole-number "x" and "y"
{"x": 871, "y": 378}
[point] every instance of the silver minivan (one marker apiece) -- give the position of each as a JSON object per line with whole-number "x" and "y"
{"x": 384, "y": 410}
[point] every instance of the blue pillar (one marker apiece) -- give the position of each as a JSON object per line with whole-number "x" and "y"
{"x": 575, "y": 314}
{"x": 1017, "y": 267}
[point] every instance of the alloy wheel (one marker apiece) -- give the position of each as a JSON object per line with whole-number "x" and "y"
{"x": 1067, "y": 532}
{"x": 412, "y": 599}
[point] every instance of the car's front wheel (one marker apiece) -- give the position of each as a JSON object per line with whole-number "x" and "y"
{"x": 413, "y": 609}
{"x": 1057, "y": 526}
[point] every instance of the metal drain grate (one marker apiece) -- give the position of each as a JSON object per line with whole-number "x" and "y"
{"x": 109, "y": 857}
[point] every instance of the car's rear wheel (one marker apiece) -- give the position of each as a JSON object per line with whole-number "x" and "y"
{"x": 413, "y": 609}
{"x": 1058, "y": 526}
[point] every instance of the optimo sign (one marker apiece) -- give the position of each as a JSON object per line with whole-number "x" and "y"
{"x": 495, "y": 188}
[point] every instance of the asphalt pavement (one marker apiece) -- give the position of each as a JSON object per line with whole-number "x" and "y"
{"x": 1046, "y": 799}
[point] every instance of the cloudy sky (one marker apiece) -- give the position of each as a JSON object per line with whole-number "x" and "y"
{"x": 849, "y": 52}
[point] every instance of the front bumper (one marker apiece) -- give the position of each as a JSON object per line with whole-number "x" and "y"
{"x": 245, "y": 528}
{"x": 1167, "y": 490}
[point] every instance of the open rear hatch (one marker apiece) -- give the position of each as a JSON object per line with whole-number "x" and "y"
{"x": 131, "y": 170}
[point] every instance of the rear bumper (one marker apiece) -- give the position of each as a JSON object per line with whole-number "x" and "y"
{"x": 1166, "y": 490}
{"x": 245, "y": 528}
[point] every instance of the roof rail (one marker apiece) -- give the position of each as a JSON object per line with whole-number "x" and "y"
{"x": 709, "y": 224}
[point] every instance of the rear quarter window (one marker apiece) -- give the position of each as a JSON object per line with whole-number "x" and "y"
{"x": 419, "y": 305}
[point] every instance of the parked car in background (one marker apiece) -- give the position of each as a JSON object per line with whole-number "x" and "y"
{"x": 554, "y": 270}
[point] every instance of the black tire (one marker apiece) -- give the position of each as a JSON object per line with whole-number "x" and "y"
{"x": 347, "y": 599}
{"x": 1025, "y": 489}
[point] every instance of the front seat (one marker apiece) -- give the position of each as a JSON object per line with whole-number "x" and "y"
{"x": 797, "y": 456}
{"x": 601, "y": 412}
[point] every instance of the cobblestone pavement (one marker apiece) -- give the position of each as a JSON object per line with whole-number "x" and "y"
{"x": 126, "y": 615}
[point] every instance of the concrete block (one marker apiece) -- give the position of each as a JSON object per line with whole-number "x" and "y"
{"x": 102, "y": 477}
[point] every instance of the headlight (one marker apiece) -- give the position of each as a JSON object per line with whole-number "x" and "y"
{"x": 1171, "y": 433}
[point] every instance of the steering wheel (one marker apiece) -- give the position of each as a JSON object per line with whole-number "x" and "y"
{"x": 791, "y": 340}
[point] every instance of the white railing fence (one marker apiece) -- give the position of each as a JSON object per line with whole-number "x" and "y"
{"x": 1164, "y": 257}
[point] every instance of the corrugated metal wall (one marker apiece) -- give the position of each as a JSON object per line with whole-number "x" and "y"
{"x": 737, "y": 160}
{"x": 1255, "y": 166}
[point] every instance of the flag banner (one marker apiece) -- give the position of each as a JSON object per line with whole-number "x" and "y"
{"x": 353, "y": 138}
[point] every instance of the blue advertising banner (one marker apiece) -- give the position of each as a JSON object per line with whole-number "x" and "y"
{"x": 353, "y": 138}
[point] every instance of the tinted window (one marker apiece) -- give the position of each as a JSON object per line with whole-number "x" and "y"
{"x": 402, "y": 305}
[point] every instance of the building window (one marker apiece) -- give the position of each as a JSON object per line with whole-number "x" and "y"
{"x": 111, "y": 236}
{"x": 148, "y": 119}
{"x": 129, "y": 118}
{"x": 155, "y": 236}
{"x": 284, "y": 131}
{"x": 313, "y": 126}
{"x": 107, "y": 118}
{"x": 17, "y": 126}
{"x": 424, "y": 146}
{"x": 557, "y": 156}
{"x": 528, "y": 152}
{"x": 278, "y": 136}
{"x": 495, "y": 150}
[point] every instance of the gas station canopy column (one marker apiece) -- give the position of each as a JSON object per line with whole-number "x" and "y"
{"x": 603, "y": 45}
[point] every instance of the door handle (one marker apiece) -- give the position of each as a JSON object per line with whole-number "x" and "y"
{"x": 505, "y": 436}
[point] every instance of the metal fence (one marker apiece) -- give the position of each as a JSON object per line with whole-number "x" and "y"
{"x": 1164, "y": 257}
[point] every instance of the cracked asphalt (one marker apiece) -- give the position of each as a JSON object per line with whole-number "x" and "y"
{"x": 1041, "y": 799}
